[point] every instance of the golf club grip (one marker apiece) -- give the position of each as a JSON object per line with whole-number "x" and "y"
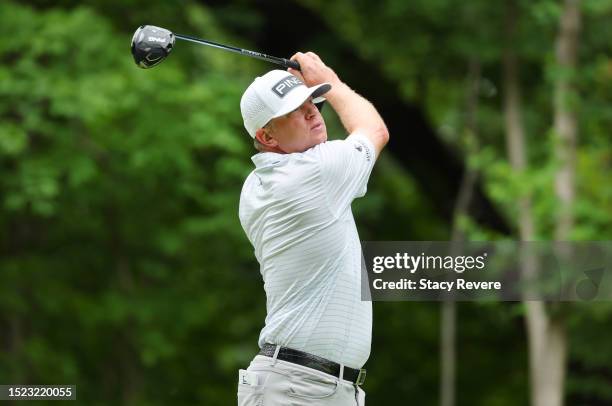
{"x": 292, "y": 64}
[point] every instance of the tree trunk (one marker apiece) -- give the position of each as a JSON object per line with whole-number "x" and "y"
{"x": 448, "y": 321}
{"x": 547, "y": 355}
{"x": 565, "y": 122}
{"x": 448, "y": 357}
{"x": 546, "y": 335}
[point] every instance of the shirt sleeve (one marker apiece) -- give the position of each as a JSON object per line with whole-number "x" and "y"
{"x": 345, "y": 169}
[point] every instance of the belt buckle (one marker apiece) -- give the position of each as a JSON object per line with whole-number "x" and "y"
{"x": 361, "y": 377}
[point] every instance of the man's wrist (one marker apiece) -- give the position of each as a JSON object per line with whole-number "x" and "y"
{"x": 337, "y": 90}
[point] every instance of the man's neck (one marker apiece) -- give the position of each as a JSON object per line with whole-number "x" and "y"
{"x": 275, "y": 149}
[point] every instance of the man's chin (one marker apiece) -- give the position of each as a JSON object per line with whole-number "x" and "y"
{"x": 320, "y": 139}
{"x": 316, "y": 140}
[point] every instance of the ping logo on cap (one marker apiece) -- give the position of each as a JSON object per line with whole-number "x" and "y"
{"x": 286, "y": 85}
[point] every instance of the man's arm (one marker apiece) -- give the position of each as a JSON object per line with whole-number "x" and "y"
{"x": 355, "y": 112}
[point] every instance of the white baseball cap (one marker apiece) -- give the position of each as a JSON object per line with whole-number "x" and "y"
{"x": 275, "y": 94}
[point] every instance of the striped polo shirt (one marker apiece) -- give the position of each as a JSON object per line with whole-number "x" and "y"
{"x": 296, "y": 211}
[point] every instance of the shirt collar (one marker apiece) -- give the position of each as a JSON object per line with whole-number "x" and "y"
{"x": 267, "y": 159}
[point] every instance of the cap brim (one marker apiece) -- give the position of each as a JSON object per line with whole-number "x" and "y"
{"x": 300, "y": 95}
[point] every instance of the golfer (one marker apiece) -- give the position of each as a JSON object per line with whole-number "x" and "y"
{"x": 295, "y": 208}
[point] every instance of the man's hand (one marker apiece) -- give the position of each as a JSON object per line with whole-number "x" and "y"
{"x": 355, "y": 112}
{"x": 313, "y": 70}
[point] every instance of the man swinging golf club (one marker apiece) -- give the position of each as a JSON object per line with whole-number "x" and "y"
{"x": 295, "y": 208}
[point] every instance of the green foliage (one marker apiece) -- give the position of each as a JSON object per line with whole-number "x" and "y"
{"x": 119, "y": 199}
{"x": 125, "y": 270}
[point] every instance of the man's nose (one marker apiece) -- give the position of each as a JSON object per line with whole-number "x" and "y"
{"x": 310, "y": 110}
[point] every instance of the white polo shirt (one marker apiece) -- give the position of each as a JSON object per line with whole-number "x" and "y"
{"x": 296, "y": 211}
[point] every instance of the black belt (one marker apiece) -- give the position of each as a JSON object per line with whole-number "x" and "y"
{"x": 357, "y": 376}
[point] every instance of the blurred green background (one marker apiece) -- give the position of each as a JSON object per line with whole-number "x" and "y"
{"x": 124, "y": 268}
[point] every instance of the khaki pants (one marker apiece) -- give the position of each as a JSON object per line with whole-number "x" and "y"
{"x": 271, "y": 382}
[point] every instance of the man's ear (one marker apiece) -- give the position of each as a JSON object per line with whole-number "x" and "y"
{"x": 263, "y": 136}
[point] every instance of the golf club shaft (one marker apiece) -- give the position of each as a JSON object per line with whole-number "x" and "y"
{"x": 286, "y": 63}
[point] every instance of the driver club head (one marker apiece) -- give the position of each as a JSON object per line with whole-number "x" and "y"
{"x": 151, "y": 45}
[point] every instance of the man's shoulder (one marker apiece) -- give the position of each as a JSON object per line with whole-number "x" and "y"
{"x": 355, "y": 141}
{"x": 281, "y": 178}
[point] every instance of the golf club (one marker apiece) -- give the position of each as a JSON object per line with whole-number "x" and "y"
{"x": 151, "y": 45}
